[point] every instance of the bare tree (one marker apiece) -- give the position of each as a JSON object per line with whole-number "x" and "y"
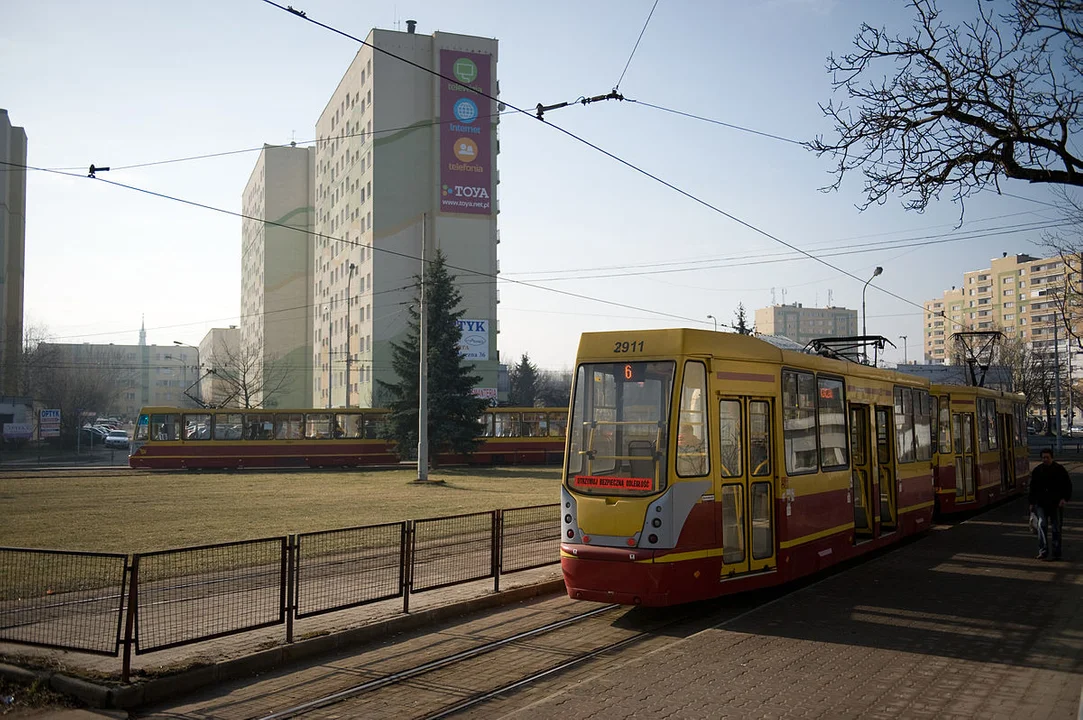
{"x": 72, "y": 379}
{"x": 245, "y": 377}
{"x": 958, "y": 107}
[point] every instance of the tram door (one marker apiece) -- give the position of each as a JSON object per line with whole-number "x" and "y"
{"x": 861, "y": 475}
{"x": 885, "y": 462}
{"x": 962, "y": 430}
{"x": 746, "y": 466}
{"x": 1007, "y": 452}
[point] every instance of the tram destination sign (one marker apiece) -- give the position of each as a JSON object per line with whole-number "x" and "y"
{"x": 466, "y": 133}
{"x": 609, "y": 482}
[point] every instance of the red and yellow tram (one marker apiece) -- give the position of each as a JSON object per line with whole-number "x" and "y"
{"x": 178, "y": 438}
{"x": 701, "y": 463}
{"x": 982, "y": 450}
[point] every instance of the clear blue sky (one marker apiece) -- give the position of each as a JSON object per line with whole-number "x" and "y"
{"x": 127, "y": 82}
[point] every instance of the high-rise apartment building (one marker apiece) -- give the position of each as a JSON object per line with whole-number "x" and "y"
{"x": 273, "y": 359}
{"x": 1013, "y": 295}
{"x": 403, "y": 158}
{"x": 802, "y": 324}
{"x": 12, "y": 250}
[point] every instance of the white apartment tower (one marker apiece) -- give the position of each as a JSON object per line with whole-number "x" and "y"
{"x": 403, "y": 155}
{"x": 12, "y": 251}
{"x": 274, "y": 354}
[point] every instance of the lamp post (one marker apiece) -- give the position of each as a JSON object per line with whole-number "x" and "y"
{"x": 864, "y": 331}
{"x": 199, "y": 388}
{"x": 349, "y": 350}
{"x": 712, "y": 317}
{"x": 903, "y": 338}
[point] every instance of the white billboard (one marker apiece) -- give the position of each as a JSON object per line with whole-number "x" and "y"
{"x": 474, "y": 342}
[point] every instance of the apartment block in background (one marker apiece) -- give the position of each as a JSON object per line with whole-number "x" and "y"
{"x": 274, "y": 356}
{"x": 12, "y": 250}
{"x": 803, "y": 324}
{"x": 403, "y": 157}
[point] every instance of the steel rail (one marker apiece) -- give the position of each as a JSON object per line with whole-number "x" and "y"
{"x": 403, "y": 675}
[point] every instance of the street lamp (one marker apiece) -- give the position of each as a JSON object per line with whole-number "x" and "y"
{"x": 903, "y": 338}
{"x": 349, "y": 350}
{"x": 712, "y": 317}
{"x": 864, "y": 330}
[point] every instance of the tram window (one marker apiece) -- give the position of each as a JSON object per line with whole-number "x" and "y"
{"x": 350, "y": 425}
{"x": 227, "y": 426}
{"x": 986, "y": 425}
{"x": 733, "y": 526}
{"x": 533, "y": 425}
{"x": 485, "y": 425}
{"x": 288, "y": 426}
{"x": 558, "y": 424}
{"x": 945, "y": 424}
{"x": 904, "y": 424}
{"x": 692, "y": 438}
{"x": 259, "y": 426}
{"x": 799, "y": 421}
{"x": 923, "y": 426}
{"x": 991, "y": 423}
{"x": 729, "y": 438}
{"x": 164, "y": 427}
{"x": 759, "y": 438}
{"x": 763, "y": 536}
{"x": 374, "y": 426}
{"x": 197, "y": 427}
{"x": 506, "y": 424}
{"x": 141, "y": 428}
{"x": 831, "y": 408}
{"x": 318, "y": 426}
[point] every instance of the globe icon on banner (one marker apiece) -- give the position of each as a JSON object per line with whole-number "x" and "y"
{"x": 465, "y": 110}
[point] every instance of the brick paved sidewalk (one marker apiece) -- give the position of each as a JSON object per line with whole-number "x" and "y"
{"x": 963, "y": 623}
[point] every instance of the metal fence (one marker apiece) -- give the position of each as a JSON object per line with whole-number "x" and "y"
{"x": 57, "y": 599}
{"x": 339, "y": 569}
{"x": 102, "y": 603}
{"x": 192, "y": 594}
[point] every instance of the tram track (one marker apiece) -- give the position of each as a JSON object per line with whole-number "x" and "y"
{"x": 439, "y": 664}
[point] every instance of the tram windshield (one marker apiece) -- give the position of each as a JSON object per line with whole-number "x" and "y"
{"x": 617, "y": 435}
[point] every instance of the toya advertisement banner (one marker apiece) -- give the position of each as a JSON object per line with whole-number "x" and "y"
{"x": 465, "y": 134}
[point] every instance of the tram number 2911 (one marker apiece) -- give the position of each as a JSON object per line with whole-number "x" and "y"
{"x": 628, "y": 347}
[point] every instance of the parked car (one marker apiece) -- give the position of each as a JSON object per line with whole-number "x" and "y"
{"x": 94, "y": 435}
{"x": 117, "y": 439}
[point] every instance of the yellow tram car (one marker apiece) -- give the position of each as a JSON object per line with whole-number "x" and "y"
{"x": 702, "y": 463}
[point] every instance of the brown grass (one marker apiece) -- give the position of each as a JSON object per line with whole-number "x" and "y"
{"x": 128, "y": 511}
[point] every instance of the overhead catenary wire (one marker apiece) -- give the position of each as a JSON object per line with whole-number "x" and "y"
{"x": 744, "y": 223}
{"x": 636, "y": 46}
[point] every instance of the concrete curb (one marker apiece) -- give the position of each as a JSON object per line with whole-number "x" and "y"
{"x": 158, "y": 689}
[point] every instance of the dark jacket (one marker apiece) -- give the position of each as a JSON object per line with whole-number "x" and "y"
{"x": 1049, "y": 484}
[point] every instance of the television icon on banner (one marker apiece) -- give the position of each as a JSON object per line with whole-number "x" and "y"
{"x": 465, "y": 110}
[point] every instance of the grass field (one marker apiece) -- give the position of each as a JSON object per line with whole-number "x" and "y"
{"x": 127, "y": 511}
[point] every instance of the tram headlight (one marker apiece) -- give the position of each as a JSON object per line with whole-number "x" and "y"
{"x": 657, "y": 522}
{"x": 568, "y": 519}
{"x": 652, "y": 538}
{"x": 571, "y": 533}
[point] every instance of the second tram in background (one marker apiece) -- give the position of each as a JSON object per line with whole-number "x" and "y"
{"x": 702, "y": 463}
{"x": 194, "y": 438}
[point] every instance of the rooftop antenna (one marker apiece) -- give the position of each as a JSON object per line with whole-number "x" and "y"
{"x": 773, "y": 297}
{"x": 783, "y": 296}
{"x": 830, "y": 298}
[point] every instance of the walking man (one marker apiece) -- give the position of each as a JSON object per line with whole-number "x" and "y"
{"x": 1050, "y": 489}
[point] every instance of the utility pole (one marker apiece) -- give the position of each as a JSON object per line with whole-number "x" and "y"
{"x": 423, "y": 378}
{"x": 349, "y": 350}
{"x": 1056, "y": 376}
{"x": 330, "y": 324}
{"x": 903, "y": 338}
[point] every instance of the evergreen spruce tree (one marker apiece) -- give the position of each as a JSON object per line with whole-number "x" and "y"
{"x": 742, "y": 320}
{"x": 453, "y": 412}
{"x": 523, "y": 379}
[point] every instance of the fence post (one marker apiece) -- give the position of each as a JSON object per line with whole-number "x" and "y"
{"x": 129, "y": 620}
{"x": 407, "y": 569}
{"x": 498, "y": 547}
{"x": 291, "y": 584}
